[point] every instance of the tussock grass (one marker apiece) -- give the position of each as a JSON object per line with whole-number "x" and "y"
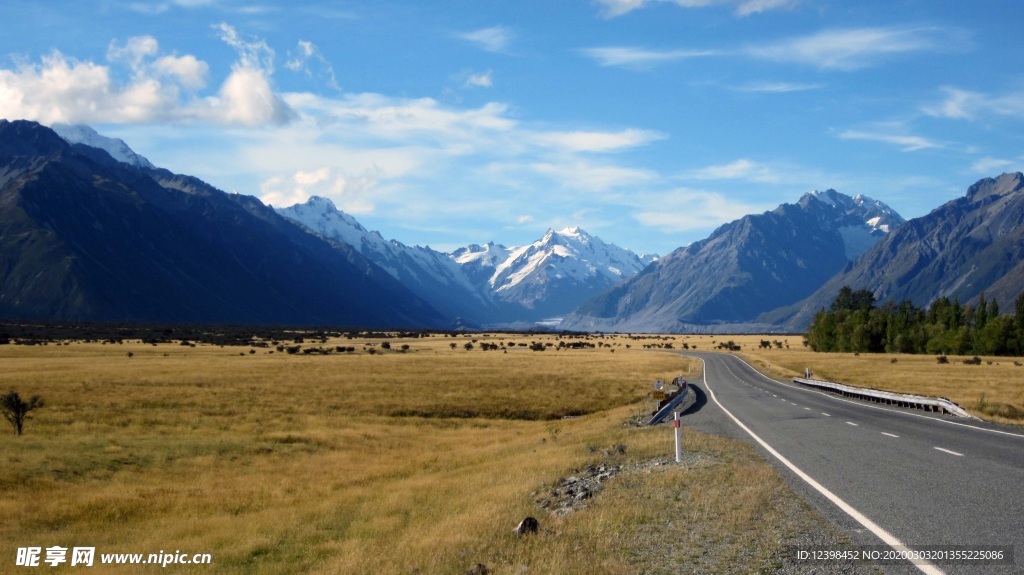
{"x": 415, "y": 462}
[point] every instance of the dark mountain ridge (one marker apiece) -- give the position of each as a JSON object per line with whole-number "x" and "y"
{"x": 84, "y": 237}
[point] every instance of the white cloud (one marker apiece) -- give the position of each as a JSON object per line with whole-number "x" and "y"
{"x": 891, "y": 134}
{"x": 598, "y": 141}
{"x": 615, "y": 8}
{"x": 253, "y": 53}
{"x": 187, "y": 70}
{"x": 640, "y": 58}
{"x": 484, "y": 80}
{"x": 741, "y": 169}
{"x": 992, "y": 166}
{"x": 967, "y": 105}
{"x": 158, "y": 89}
{"x": 246, "y": 98}
{"x": 579, "y": 174}
{"x": 853, "y": 48}
{"x": 298, "y": 61}
{"x": 777, "y": 87}
{"x": 524, "y": 219}
{"x": 687, "y": 210}
{"x": 352, "y": 193}
{"x": 494, "y": 39}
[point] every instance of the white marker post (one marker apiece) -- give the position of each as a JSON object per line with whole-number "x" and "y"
{"x": 679, "y": 444}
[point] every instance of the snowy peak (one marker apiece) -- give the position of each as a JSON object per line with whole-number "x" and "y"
{"x": 570, "y": 254}
{"x": 860, "y": 220}
{"x": 79, "y": 134}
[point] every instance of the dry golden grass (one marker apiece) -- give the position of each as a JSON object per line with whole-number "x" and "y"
{"x": 417, "y": 462}
{"x": 993, "y": 390}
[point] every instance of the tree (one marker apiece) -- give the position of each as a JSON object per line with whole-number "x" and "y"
{"x": 16, "y": 410}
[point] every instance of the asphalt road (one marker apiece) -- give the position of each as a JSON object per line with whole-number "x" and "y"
{"x": 885, "y": 474}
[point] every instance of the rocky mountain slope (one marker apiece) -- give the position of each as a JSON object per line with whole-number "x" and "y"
{"x": 745, "y": 268}
{"x": 970, "y": 245}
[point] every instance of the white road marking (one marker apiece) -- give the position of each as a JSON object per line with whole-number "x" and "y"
{"x": 888, "y": 538}
{"x": 825, "y": 414}
{"x": 851, "y": 423}
{"x": 807, "y": 408}
{"x": 891, "y": 435}
{"x": 950, "y": 452}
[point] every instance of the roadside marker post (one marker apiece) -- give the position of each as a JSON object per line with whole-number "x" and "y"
{"x": 679, "y": 444}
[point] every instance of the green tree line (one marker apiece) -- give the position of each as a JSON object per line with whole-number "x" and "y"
{"x": 854, "y": 323}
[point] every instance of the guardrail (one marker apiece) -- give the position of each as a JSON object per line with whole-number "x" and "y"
{"x": 681, "y": 402}
{"x": 936, "y": 404}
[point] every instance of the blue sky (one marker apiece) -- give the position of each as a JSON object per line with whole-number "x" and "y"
{"x": 646, "y": 122}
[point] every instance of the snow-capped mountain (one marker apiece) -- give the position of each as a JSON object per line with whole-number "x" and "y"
{"x": 865, "y": 220}
{"x": 79, "y": 134}
{"x": 429, "y": 273}
{"x": 487, "y": 284}
{"x": 553, "y": 274}
{"x": 745, "y": 268}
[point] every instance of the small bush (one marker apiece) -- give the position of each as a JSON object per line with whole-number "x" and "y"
{"x": 942, "y": 359}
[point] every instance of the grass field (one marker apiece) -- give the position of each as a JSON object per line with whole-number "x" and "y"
{"x": 402, "y": 462}
{"x": 393, "y": 462}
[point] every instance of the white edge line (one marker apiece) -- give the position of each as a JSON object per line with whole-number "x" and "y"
{"x": 832, "y": 396}
{"x": 891, "y": 435}
{"x": 888, "y": 538}
{"x": 950, "y": 452}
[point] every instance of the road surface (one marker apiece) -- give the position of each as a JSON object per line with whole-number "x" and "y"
{"x": 883, "y": 475}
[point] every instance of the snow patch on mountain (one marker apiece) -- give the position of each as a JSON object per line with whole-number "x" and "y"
{"x": 80, "y": 134}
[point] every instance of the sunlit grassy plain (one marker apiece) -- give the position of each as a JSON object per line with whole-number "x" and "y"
{"x": 415, "y": 462}
{"x": 993, "y": 390}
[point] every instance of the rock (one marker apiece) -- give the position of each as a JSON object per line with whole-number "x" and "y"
{"x": 528, "y": 525}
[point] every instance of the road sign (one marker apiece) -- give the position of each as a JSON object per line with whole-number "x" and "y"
{"x": 658, "y": 395}
{"x": 659, "y": 384}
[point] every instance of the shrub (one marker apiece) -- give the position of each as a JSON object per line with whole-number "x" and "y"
{"x": 16, "y": 410}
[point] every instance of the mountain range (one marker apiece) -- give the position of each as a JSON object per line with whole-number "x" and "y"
{"x": 92, "y": 231}
{"x": 86, "y": 237}
{"x": 489, "y": 285}
{"x": 744, "y": 269}
{"x": 966, "y": 247}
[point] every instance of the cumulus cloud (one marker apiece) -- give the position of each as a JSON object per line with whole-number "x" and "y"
{"x": 350, "y": 193}
{"x": 157, "y": 88}
{"x": 484, "y": 80}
